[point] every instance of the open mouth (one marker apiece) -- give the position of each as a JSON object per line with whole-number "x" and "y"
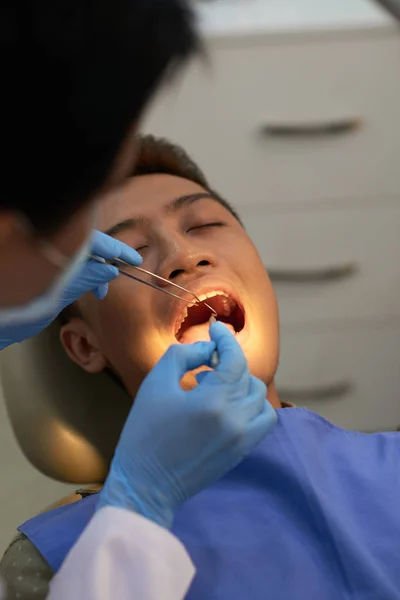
{"x": 193, "y": 323}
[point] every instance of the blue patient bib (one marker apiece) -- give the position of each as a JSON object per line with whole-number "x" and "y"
{"x": 312, "y": 514}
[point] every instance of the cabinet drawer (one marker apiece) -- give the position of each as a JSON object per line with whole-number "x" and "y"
{"x": 349, "y": 376}
{"x": 283, "y": 123}
{"x": 330, "y": 265}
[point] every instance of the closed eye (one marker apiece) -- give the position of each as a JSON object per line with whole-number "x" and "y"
{"x": 141, "y": 248}
{"x": 207, "y": 225}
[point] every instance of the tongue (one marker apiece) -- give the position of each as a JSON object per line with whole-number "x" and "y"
{"x": 199, "y": 333}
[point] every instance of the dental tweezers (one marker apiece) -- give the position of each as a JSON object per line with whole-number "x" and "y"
{"x": 121, "y": 265}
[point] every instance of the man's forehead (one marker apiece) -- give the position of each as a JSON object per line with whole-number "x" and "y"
{"x": 149, "y": 196}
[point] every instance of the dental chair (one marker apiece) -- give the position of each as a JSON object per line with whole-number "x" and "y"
{"x": 67, "y": 424}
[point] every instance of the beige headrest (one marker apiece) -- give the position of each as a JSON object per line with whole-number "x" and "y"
{"x": 66, "y": 421}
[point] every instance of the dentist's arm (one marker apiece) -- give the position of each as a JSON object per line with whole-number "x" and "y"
{"x": 92, "y": 277}
{"x": 174, "y": 444}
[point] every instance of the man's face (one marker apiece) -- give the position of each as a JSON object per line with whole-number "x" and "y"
{"x": 188, "y": 238}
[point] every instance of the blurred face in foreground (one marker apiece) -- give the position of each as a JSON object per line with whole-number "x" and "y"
{"x": 187, "y": 237}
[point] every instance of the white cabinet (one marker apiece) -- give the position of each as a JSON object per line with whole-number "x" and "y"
{"x": 289, "y": 123}
{"x": 331, "y": 265}
{"x": 296, "y": 120}
{"x": 347, "y": 373}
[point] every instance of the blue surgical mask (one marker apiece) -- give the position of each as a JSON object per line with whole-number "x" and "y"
{"x": 41, "y": 308}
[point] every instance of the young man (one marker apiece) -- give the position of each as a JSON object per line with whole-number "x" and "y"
{"x": 187, "y": 234}
{"x": 313, "y": 511}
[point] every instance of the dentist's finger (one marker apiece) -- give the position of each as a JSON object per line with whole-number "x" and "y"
{"x": 181, "y": 358}
{"x": 232, "y": 361}
{"x": 200, "y": 376}
{"x": 107, "y": 247}
{"x": 254, "y": 402}
{"x": 101, "y": 291}
{"x": 260, "y": 426}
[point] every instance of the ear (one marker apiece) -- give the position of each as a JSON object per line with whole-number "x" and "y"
{"x": 82, "y": 346}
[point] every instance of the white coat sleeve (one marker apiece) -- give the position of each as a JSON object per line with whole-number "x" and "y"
{"x": 123, "y": 555}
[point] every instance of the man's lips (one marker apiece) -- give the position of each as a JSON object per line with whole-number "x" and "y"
{"x": 191, "y": 323}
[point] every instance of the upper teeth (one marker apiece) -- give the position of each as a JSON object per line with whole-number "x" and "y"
{"x": 208, "y": 295}
{"x": 200, "y": 299}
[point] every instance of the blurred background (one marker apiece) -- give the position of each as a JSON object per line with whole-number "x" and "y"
{"x": 295, "y": 119}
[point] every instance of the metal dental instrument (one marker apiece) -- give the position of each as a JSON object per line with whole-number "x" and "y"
{"x": 118, "y": 263}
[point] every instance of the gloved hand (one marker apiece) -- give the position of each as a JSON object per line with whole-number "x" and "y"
{"x": 175, "y": 442}
{"x": 93, "y": 276}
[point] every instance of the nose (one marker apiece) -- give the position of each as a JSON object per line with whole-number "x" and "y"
{"x": 185, "y": 260}
{"x": 176, "y": 272}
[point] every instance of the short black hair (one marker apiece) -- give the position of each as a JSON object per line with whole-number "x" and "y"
{"x": 76, "y": 75}
{"x": 159, "y": 155}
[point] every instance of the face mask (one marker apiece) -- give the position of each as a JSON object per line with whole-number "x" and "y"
{"x": 48, "y": 304}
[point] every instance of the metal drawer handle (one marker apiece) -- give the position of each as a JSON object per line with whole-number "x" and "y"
{"x": 334, "y": 391}
{"x": 312, "y": 129}
{"x": 318, "y": 275}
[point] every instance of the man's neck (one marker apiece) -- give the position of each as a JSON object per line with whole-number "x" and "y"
{"x": 273, "y": 397}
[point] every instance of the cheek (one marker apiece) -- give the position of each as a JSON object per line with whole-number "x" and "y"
{"x": 263, "y": 353}
{"x": 120, "y": 322}
{"x": 126, "y": 331}
{"x": 115, "y": 320}
{"x": 266, "y": 307}
{"x": 263, "y": 350}
{"x": 260, "y": 287}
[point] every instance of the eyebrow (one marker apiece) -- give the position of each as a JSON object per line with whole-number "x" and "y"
{"x": 173, "y": 206}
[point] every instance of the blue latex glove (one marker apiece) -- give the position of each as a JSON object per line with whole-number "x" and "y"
{"x": 93, "y": 276}
{"x": 176, "y": 443}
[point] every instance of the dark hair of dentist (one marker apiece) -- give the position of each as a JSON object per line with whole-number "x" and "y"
{"x": 76, "y": 76}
